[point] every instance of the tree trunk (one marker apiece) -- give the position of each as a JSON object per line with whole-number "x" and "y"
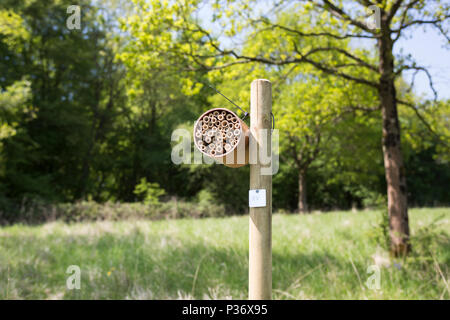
{"x": 302, "y": 204}
{"x": 393, "y": 158}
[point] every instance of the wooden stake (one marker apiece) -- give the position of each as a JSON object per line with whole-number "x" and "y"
{"x": 260, "y": 231}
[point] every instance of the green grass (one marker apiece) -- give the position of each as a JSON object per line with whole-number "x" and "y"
{"x": 316, "y": 256}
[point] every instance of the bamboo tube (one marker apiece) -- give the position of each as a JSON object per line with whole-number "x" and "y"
{"x": 212, "y": 152}
{"x": 218, "y": 129}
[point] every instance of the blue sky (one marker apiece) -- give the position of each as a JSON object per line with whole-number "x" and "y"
{"x": 423, "y": 43}
{"x": 426, "y": 47}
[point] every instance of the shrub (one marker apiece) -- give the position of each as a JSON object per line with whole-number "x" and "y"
{"x": 149, "y": 192}
{"x": 38, "y": 212}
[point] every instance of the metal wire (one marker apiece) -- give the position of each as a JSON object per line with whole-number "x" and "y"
{"x": 245, "y": 112}
{"x": 273, "y": 121}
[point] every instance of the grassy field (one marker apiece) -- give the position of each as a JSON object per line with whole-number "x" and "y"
{"x": 316, "y": 256}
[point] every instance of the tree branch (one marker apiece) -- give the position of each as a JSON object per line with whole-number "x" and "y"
{"x": 427, "y": 125}
{"x": 418, "y": 68}
{"x": 315, "y": 34}
{"x": 404, "y": 16}
{"x": 341, "y": 14}
{"x": 413, "y": 22}
{"x": 332, "y": 70}
{"x": 393, "y": 10}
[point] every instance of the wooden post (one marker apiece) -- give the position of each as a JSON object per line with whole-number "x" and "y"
{"x": 260, "y": 231}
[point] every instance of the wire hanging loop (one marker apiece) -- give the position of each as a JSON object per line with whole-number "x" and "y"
{"x": 245, "y": 112}
{"x": 273, "y": 121}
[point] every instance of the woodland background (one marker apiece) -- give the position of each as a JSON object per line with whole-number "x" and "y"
{"x": 87, "y": 115}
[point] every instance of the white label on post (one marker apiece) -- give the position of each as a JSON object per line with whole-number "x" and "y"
{"x": 257, "y": 198}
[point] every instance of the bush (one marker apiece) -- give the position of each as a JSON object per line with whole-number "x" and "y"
{"x": 379, "y": 233}
{"x": 38, "y": 212}
{"x": 149, "y": 192}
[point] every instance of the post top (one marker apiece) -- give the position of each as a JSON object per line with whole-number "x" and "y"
{"x": 263, "y": 80}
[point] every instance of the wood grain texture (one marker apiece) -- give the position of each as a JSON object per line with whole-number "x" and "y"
{"x": 260, "y": 226}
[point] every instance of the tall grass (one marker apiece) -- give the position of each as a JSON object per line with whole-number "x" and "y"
{"x": 316, "y": 256}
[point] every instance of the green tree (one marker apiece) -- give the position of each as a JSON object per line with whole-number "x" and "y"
{"x": 73, "y": 86}
{"x": 325, "y": 29}
{"x": 149, "y": 192}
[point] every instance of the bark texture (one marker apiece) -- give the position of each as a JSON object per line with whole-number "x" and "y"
{"x": 392, "y": 153}
{"x": 302, "y": 203}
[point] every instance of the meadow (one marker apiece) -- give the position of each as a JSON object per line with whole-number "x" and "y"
{"x": 315, "y": 256}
